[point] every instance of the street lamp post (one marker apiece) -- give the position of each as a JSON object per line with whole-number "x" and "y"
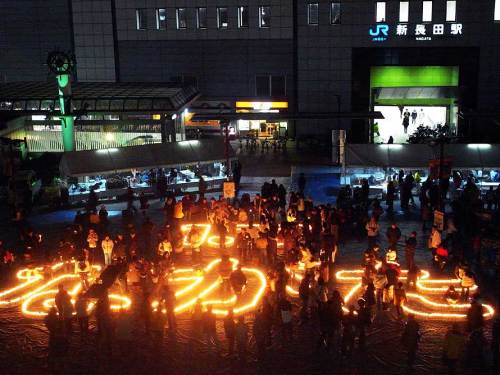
{"x": 62, "y": 65}
{"x": 225, "y": 129}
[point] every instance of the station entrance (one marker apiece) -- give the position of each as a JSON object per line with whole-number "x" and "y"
{"x": 412, "y": 96}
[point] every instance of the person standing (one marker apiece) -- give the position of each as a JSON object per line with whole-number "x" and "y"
{"x": 168, "y": 297}
{"x": 363, "y": 322}
{"x": 380, "y": 283}
{"x": 495, "y": 344}
{"x": 302, "y": 183}
{"x": 414, "y": 116}
{"x": 194, "y": 238}
{"x": 286, "y": 320}
{"x": 238, "y": 280}
{"x": 241, "y": 338}
{"x": 393, "y": 234}
{"x": 107, "y": 248}
{"x": 230, "y": 331}
{"x": 92, "y": 240}
{"x": 475, "y": 318}
{"x": 103, "y": 320}
{"x": 82, "y": 315}
{"x": 406, "y": 120}
{"x": 349, "y": 324}
{"x": 410, "y": 248}
{"x": 58, "y": 342}
{"x": 65, "y": 309}
{"x": 391, "y": 194}
{"x": 399, "y": 298}
{"x": 410, "y": 339}
{"x": 260, "y": 335}
{"x": 372, "y": 229}
{"x": 434, "y": 240}
{"x": 130, "y": 200}
{"x": 304, "y": 292}
{"x": 453, "y": 346}
{"x": 82, "y": 268}
{"x": 209, "y": 327}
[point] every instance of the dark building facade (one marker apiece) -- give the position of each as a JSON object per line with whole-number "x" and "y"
{"x": 317, "y": 56}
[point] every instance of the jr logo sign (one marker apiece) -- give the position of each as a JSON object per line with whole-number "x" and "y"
{"x": 379, "y": 33}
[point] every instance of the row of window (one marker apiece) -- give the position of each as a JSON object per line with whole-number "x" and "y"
{"x": 268, "y": 85}
{"x": 380, "y": 9}
{"x": 313, "y": 13}
{"x": 181, "y": 17}
{"x": 265, "y": 85}
{"x": 404, "y": 9}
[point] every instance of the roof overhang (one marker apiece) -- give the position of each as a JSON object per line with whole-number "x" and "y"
{"x": 228, "y": 116}
{"x": 411, "y": 93}
{"x": 165, "y": 155}
{"x": 23, "y": 98}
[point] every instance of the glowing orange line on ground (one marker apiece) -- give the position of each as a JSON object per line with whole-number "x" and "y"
{"x": 202, "y": 293}
{"x": 204, "y": 235}
{"x": 345, "y": 275}
{"x": 488, "y": 314}
{"x": 33, "y": 275}
{"x": 214, "y": 241}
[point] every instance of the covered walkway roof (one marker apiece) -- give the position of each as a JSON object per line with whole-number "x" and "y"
{"x": 149, "y": 97}
{"x": 463, "y": 156}
{"x": 164, "y": 155}
{"x": 282, "y": 116}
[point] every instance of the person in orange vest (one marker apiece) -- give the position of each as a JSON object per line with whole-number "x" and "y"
{"x": 178, "y": 213}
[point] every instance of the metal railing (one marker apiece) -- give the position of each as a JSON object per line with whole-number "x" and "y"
{"x": 51, "y": 141}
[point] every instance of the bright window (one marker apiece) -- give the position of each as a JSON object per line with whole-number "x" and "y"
{"x": 242, "y": 17}
{"x": 161, "y": 19}
{"x": 426, "y": 11}
{"x": 312, "y": 14}
{"x": 451, "y": 11}
{"x": 265, "y": 16}
{"x": 497, "y": 10}
{"x": 404, "y": 7}
{"x": 222, "y": 18}
{"x": 380, "y": 11}
{"x": 335, "y": 13}
{"x": 140, "y": 19}
{"x": 201, "y": 18}
{"x": 180, "y": 15}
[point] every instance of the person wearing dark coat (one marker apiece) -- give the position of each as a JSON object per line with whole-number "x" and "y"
{"x": 411, "y": 338}
{"x": 393, "y": 234}
{"x": 410, "y": 248}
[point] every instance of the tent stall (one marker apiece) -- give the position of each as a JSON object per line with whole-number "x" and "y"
{"x": 109, "y": 172}
{"x": 380, "y": 162}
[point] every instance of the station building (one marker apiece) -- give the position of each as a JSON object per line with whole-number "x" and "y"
{"x": 417, "y": 62}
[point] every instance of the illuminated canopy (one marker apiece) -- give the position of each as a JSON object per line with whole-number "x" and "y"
{"x": 107, "y": 97}
{"x": 165, "y": 155}
{"x": 419, "y": 155}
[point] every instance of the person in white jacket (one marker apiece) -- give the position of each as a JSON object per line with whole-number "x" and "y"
{"x": 107, "y": 248}
{"x": 372, "y": 229}
{"x": 434, "y": 240}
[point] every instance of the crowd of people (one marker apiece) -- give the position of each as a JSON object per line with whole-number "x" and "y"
{"x": 283, "y": 232}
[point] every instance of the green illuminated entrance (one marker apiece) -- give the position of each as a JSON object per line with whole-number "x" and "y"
{"x": 413, "y": 76}
{"x": 427, "y": 93}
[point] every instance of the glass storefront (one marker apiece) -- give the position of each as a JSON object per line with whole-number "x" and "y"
{"x": 262, "y": 128}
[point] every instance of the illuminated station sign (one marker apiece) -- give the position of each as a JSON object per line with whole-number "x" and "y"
{"x": 423, "y": 31}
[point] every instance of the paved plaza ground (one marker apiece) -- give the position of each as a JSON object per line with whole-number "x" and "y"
{"x": 25, "y": 340}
